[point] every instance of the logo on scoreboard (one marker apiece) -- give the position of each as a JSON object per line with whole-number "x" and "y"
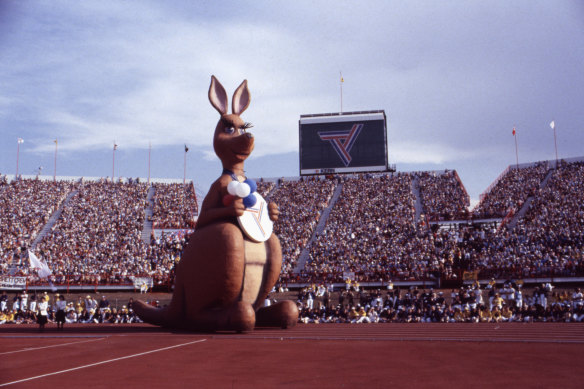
{"x": 342, "y": 141}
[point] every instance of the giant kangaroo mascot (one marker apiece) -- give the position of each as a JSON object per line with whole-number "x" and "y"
{"x": 224, "y": 277}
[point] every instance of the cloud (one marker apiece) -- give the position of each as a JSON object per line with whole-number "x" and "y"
{"x": 453, "y": 79}
{"x": 139, "y": 86}
{"x": 426, "y": 153}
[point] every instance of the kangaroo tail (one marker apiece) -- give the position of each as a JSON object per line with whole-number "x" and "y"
{"x": 169, "y": 316}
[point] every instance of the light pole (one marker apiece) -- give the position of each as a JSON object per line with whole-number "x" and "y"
{"x": 114, "y": 160}
{"x": 19, "y": 141}
{"x": 553, "y": 126}
{"x": 185, "y": 165}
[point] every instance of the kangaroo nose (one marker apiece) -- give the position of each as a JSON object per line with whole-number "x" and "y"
{"x": 249, "y": 135}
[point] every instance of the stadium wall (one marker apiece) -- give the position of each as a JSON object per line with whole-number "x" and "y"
{"x": 11, "y": 177}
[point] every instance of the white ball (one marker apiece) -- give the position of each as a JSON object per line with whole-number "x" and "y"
{"x": 231, "y": 187}
{"x": 242, "y": 190}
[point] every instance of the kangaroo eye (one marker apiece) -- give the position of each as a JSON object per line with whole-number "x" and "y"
{"x": 242, "y": 131}
{"x": 229, "y": 130}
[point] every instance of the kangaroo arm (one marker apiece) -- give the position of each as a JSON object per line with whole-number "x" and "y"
{"x": 213, "y": 209}
{"x": 214, "y": 214}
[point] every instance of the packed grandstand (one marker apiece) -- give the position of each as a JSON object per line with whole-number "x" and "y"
{"x": 372, "y": 228}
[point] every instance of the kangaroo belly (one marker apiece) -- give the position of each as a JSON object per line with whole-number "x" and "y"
{"x": 256, "y": 257}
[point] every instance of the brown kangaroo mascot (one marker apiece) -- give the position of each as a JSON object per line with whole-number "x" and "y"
{"x": 223, "y": 277}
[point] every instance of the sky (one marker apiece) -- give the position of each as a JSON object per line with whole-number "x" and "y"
{"x": 453, "y": 77}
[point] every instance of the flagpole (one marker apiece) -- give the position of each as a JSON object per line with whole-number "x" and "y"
{"x": 55, "y": 170}
{"x": 185, "y": 166}
{"x": 341, "y": 73}
{"x": 516, "y": 150}
{"x": 555, "y": 142}
{"x": 18, "y": 142}
{"x": 113, "y": 161}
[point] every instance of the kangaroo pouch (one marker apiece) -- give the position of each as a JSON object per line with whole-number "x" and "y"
{"x": 256, "y": 256}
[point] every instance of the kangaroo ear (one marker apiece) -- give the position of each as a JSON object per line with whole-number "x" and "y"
{"x": 241, "y": 98}
{"x": 217, "y": 96}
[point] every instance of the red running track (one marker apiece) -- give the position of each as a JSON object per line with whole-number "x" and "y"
{"x": 453, "y": 355}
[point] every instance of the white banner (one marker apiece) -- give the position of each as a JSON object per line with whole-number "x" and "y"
{"x": 12, "y": 282}
{"x": 139, "y": 281}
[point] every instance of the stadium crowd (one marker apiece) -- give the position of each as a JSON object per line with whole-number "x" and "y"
{"x": 443, "y": 196}
{"x": 25, "y": 207}
{"x": 265, "y": 187}
{"x": 474, "y": 303}
{"x": 97, "y": 237}
{"x": 301, "y": 204}
{"x": 99, "y": 232}
{"x": 470, "y": 304}
{"x": 23, "y": 308}
{"x": 175, "y": 206}
{"x": 371, "y": 232}
{"x": 511, "y": 191}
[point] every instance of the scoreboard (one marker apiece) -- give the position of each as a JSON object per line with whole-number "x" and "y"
{"x": 347, "y": 142}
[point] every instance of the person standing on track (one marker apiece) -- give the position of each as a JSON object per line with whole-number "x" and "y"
{"x": 61, "y": 306}
{"x": 43, "y": 308}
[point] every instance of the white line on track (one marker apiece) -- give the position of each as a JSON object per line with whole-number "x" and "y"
{"x": 54, "y": 345}
{"x": 102, "y": 362}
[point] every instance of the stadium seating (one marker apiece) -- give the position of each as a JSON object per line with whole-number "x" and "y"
{"x": 301, "y": 203}
{"x": 443, "y": 196}
{"x": 372, "y": 232}
{"x": 511, "y": 191}
{"x": 175, "y": 206}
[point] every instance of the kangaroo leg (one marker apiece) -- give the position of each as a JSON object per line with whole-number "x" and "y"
{"x": 239, "y": 317}
{"x": 283, "y": 314}
{"x": 272, "y": 269}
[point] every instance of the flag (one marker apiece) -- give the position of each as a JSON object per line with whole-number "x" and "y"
{"x": 40, "y": 266}
{"x": 56, "y": 141}
{"x": 115, "y": 146}
{"x": 513, "y": 131}
{"x": 553, "y": 124}
{"x": 186, "y": 149}
{"x": 20, "y": 140}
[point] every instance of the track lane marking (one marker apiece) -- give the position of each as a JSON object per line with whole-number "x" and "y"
{"x": 54, "y": 345}
{"x": 102, "y": 362}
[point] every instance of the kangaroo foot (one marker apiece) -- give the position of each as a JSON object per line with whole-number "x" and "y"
{"x": 239, "y": 317}
{"x": 283, "y": 314}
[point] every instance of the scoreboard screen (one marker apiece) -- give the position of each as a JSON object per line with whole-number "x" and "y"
{"x": 343, "y": 142}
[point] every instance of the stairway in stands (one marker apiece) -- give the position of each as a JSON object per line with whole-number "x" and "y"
{"x": 147, "y": 227}
{"x": 525, "y": 207}
{"x": 319, "y": 229}
{"x": 52, "y": 220}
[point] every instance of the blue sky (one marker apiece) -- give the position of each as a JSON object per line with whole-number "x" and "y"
{"x": 453, "y": 77}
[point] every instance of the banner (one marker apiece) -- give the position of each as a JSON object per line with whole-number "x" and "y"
{"x": 12, "y": 282}
{"x": 139, "y": 281}
{"x": 470, "y": 275}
